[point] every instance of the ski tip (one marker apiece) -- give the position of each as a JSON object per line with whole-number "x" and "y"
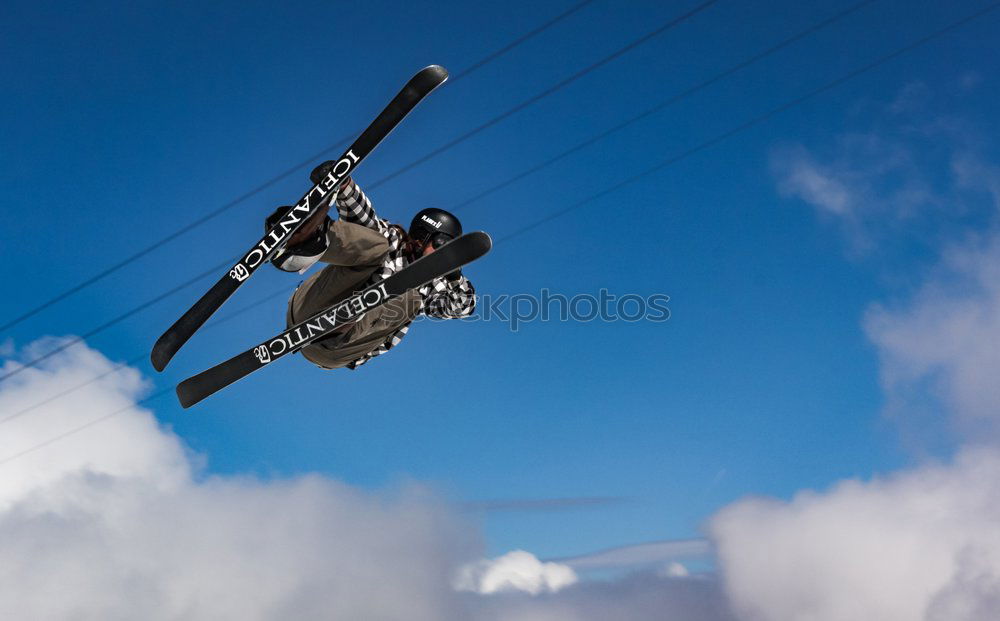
{"x": 161, "y": 354}
{"x": 428, "y": 79}
{"x": 437, "y": 71}
{"x": 165, "y": 347}
{"x": 184, "y": 395}
{"x": 483, "y": 239}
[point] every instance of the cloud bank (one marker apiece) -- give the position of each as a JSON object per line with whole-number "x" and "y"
{"x": 117, "y": 521}
{"x": 921, "y": 545}
{"x": 642, "y": 596}
{"x": 112, "y": 523}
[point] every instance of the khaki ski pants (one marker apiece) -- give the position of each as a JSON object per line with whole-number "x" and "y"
{"x": 354, "y": 254}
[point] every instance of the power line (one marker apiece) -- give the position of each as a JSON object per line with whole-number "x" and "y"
{"x": 117, "y": 368}
{"x": 179, "y": 232}
{"x": 270, "y": 182}
{"x": 142, "y": 357}
{"x": 669, "y": 101}
{"x": 701, "y": 147}
{"x": 518, "y": 41}
{"x": 129, "y": 313}
{"x": 675, "y": 21}
{"x": 284, "y": 290}
{"x": 757, "y": 120}
{"x": 86, "y": 425}
{"x": 671, "y": 23}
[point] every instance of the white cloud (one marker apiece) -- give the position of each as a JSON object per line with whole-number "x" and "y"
{"x": 943, "y": 343}
{"x": 117, "y": 522}
{"x": 110, "y": 523}
{"x": 674, "y": 570}
{"x": 130, "y": 446}
{"x": 519, "y": 587}
{"x": 515, "y": 571}
{"x": 910, "y": 177}
{"x": 922, "y": 545}
{"x": 800, "y": 176}
{"x": 867, "y": 176}
{"x": 643, "y": 596}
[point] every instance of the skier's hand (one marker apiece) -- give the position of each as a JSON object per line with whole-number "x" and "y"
{"x": 344, "y": 186}
{"x": 309, "y": 227}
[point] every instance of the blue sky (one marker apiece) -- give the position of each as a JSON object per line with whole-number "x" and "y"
{"x": 124, "y": 122}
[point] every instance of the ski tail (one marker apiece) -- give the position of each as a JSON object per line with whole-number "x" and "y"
{"x": 208, "y": 382}
{"x": 178, "y": 334}
{"x": 418, "y": 87}
{"x": 441, "y": 262}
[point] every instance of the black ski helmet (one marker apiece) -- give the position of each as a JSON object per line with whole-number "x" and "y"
{"x": 435, "y": 225}
{"x": 305, "y": 253}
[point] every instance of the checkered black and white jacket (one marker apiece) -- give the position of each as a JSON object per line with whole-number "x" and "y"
{"x": 442, "y": 298}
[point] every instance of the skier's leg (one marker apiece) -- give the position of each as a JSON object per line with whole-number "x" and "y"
{"x": 354, "y": 254}
{"x": 370, "y": 331}
{"x": 354, "y": 245}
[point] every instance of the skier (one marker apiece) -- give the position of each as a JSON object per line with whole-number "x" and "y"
{"x": 362, "y": 249}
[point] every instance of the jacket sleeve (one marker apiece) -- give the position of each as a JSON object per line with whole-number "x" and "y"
{"x": 450, "y": 298}
{"x": 354, "y": 207}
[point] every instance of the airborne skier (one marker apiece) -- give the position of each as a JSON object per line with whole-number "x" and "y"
{"x": 418, "y": 87}
{"x": 380, "y": 277}
{"x": 433, "y": 267}
{"x": 362, "y": 249}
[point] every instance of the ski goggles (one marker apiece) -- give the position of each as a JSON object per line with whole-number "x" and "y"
{"x": 439, "y": 239}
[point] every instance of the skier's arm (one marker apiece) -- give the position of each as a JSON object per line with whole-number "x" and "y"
{"x": 353, "y": 206}
{"x": 451, "y": 297}
{"x": 308, "y": 227}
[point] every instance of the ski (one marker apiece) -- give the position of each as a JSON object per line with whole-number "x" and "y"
{"x": 441, "y": 262}
{"x": 419, "y": 86}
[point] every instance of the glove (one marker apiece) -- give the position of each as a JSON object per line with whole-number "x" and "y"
{"x": 321, "y": 171}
